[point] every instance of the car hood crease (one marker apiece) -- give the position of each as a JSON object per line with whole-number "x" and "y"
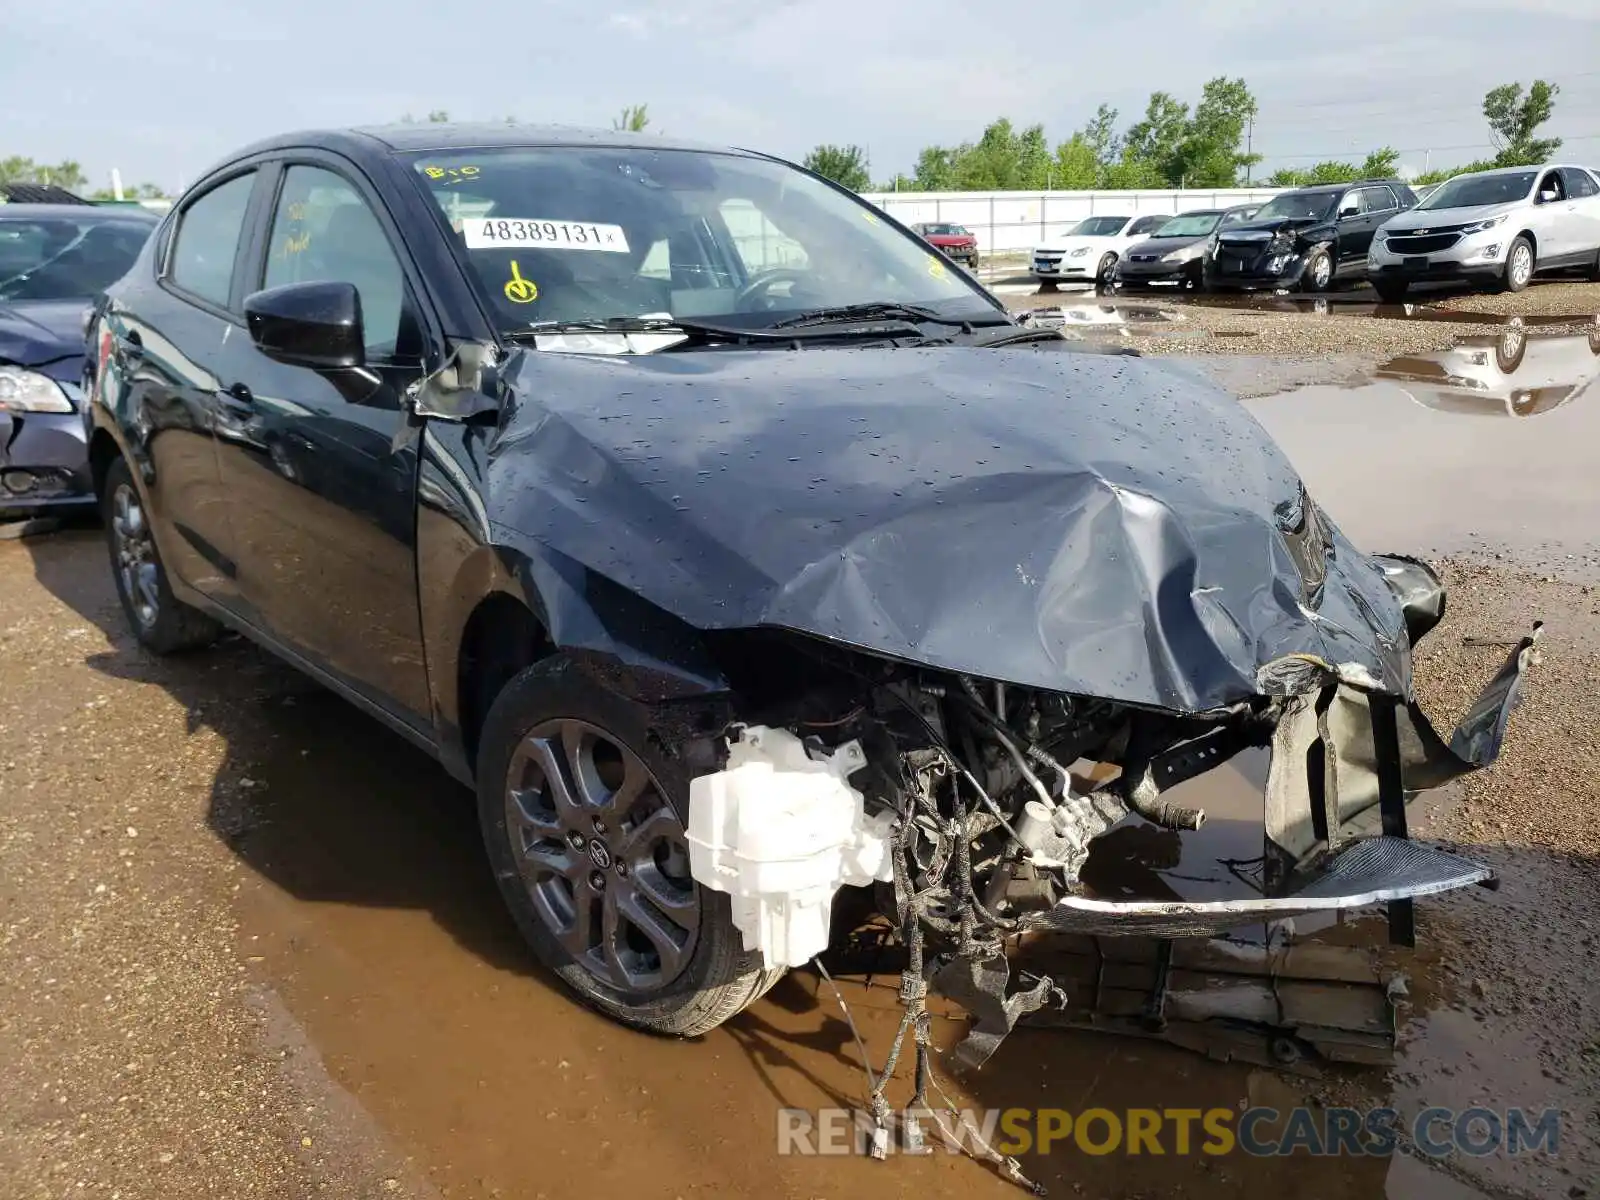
{"x": 1082, "y": 523}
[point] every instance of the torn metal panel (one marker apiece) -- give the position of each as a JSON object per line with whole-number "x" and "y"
{"x": 1286, "y": 1006}
{"x": 1346, "y": 726}
{"x": 979, "y": 986}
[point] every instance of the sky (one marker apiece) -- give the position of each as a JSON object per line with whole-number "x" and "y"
{"x": 163, "y": 88}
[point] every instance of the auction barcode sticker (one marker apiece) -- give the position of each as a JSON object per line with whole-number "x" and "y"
{"x": 492, "y": 233}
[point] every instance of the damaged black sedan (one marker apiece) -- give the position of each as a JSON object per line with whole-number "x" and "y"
{"x": 736, "y": 549}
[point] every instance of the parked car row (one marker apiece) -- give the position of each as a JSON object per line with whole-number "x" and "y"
{"x": 1494, "y": 228}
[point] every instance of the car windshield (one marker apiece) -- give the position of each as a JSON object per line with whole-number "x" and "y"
{"x": 595, "y": 233}
{"x": 1298, "y": 206}
{"x": 1470, "y": 191}
{"x": 1189, "y": 225}
{"x": 66, "y": 257}
{"x": 945, "y": 230}
{"x": 1099, "y": 227}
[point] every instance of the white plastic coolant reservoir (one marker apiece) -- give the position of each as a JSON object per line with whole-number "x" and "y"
{"x": 781, "y": 832}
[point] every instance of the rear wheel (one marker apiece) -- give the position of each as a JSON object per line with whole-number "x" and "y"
{"x": 1391, "y": 291}
{"x": 1518, "y": 271}
{"x": 162, "y": 623}
{"x": 583, "y": 817}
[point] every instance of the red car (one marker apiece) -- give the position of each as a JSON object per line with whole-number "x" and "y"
{"x": 954, "y": 240}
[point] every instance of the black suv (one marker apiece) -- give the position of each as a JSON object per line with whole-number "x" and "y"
{"x": 1306, "y": 238}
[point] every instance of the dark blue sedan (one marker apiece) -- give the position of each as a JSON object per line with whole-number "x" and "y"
{"x": 54, "y": 259}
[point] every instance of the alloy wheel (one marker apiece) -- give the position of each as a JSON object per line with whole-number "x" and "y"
{"x": 1521, "y": 265}
{"x": 136, "y": 556}
{"x": 1321, "y": 272}
{"x": 603, "y": 855}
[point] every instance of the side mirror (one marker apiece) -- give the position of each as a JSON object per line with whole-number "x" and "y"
{"x": 308, "y": 324}
{"x": 1548, "y": 197}
{"x": 1346, "y": 213}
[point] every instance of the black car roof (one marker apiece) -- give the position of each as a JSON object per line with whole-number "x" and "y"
{"x": 406, "y": 137}
{"x": 108, "y": 212}
{"x": 1343, "y": 187}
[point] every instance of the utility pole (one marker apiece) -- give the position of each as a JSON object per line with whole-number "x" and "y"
{"x": 1249, "y": 142}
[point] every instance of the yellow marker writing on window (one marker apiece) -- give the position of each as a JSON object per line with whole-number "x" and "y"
{"x": 935, "y": 268}
{"x": 518, "y": 289}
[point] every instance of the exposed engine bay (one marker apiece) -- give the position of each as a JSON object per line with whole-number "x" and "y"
{"x": 972, "y": 805}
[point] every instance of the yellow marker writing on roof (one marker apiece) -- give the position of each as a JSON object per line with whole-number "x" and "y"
{"x": 518, "y": 289}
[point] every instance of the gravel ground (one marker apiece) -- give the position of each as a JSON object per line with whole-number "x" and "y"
{"x": 137, "y": 1060}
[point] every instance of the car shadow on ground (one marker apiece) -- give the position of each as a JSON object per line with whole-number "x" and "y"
{"x": 313, "y": 795}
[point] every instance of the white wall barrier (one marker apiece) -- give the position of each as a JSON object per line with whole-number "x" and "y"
{"x": 1018, "y": 221}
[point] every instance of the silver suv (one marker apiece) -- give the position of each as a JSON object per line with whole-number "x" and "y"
{"x": 1495, "y": 227}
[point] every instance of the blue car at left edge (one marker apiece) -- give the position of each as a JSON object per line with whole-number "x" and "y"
{"x": 54, "y": 260}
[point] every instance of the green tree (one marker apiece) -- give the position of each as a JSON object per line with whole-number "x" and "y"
{"x": 1100, "y": 134}
{"x": 1077, "y": 166}
{"x": 1209, "y": 153}
{"x": 935, "y": 170}
{"x": 66, "y": 174}
{"x": 845, "y": 165}
{"x": 1513, "y": 119}
{"x": 634, "y": 119}
{"x": 1382, "y": 163}
{"x": 1155, "y": 140}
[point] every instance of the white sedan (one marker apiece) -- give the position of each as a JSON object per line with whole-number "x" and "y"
{"x": 1091, "y": 248}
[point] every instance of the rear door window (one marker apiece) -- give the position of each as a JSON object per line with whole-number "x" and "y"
{"x": 1378, "y": 200}
{"x": 1147, "y": 225}
{"x": 1579, "y": 183}
{"x": 207, "y": 241}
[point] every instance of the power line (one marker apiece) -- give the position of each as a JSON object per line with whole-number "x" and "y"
{"x": 1345, "y": 153}
{"x": 1348, "y": 103}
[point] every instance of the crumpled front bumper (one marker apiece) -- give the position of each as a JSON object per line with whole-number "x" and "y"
{"x": 44, "y": 461}
{"x": 1345, "y": 758}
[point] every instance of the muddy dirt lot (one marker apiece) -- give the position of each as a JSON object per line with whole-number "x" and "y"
{"x": 249, "y": 945}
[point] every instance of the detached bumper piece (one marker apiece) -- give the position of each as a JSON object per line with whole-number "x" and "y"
{"x": 1374, "y": 871}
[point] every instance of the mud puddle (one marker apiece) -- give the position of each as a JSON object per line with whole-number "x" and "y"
{"x": 1484, "y": 447}
{"x": 1102, "y": 314}
{"x": 375, "y": 922}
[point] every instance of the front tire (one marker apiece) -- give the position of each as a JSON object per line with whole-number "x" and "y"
{"x": 583, "y": 814}
{"x": 1318, "y": 273}
{"x": 161, "y": 622}
{"x": 1102, "y": 273}
{"x": 1520, "y": 264}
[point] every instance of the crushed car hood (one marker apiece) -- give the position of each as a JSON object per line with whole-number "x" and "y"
{"x": 35, "y": 333}
{"x": 1083, "y": 523}
{"x": 1259, "y": 231}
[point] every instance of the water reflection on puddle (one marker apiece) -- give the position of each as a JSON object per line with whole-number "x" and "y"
{"x": 1512, "y": 373}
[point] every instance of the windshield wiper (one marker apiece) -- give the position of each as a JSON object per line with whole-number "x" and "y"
{"x": 842, "y": 313}
{"x": 705, "y": 333}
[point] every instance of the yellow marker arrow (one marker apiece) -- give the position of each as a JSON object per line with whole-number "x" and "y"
{"x": 520, "y": 290}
